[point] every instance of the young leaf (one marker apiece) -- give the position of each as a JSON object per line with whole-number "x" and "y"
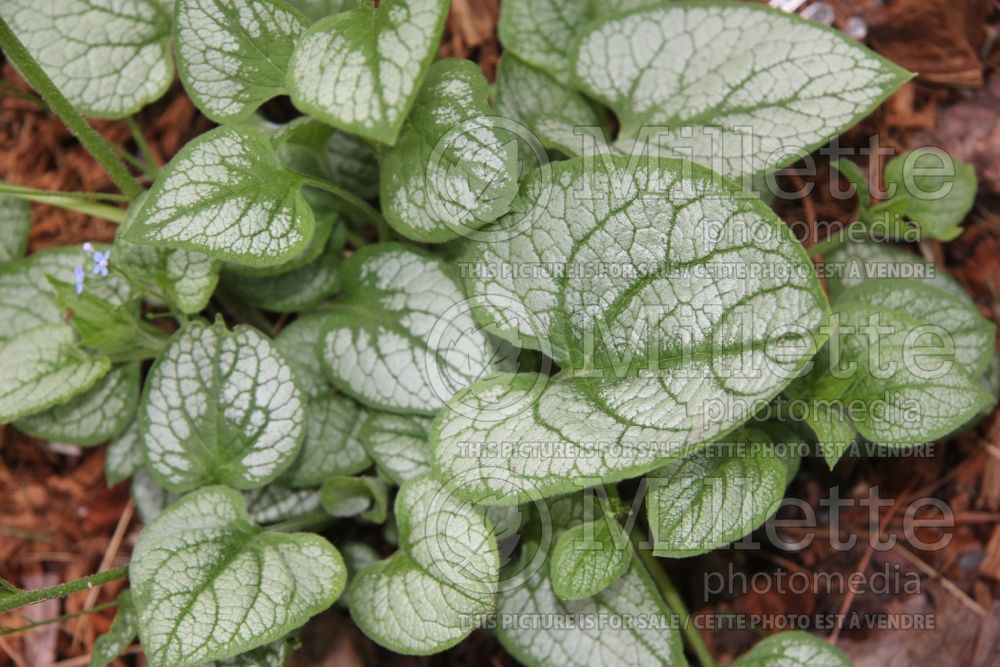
{"x": 552, "y": 111}
{"x": 331, "y": 446}
{"x": 184, "y": 279}
{"x": 220, "y": 406}
{"x": 706, "y": 86}
{"x": 27, "y": 299}
{"x": 854, "y": 262}
{"x": 403, "y": 338}
{"x": 232, "y": 55}
{"x": 95, "y": 416}
{"x": 298, "y": 289}
{"x": 834, "y": 432}
{"x": 543, "y": 32}
{"x": 716, "y": 495}
{"x": 43, "y": 367}
{"x": 299, "y": 344}
{"x": 631, "y": 295}
{"x": 123, "y": 457}
{"x": 398, "y": 444}
{"x": 227, "y": 195}
{"x": 365, "y": 497}
{"x": 326, "y": 225}
{"x": 941, "y": 190}
{"x": 588, "y": 558}
{"x": 794, "y": 649}
{"x": 274, "y": 503}
{"x": 108, "y": 59}
{"x": 15, "y": 223}
{"x": 599, "y": 630}
{"x": 209, "y": 584}
{"x": 360, "y": 70}
{"x": 442, "y": 582}
{"x": 454, "y": 167}
{"x": 970, "y": 333}
{"x": 122, "y": 633}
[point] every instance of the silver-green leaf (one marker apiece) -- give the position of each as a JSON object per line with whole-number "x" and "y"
{"x": 232, "y": 55}
{"x": 15, "y": 223}
{"x": 360, "y": 70}
{"x": 589, "y": 557}
{"x": 220, "y": 407}
{"x": 398, "y": 444}
{"x": 794, "y": 649}
{"x": 122, "y": 633}
{"x": 442, "y": 582}
{"x": 208, "y": 584}
{"x": 227, "y": 195}
{"x": 332, "y": 443}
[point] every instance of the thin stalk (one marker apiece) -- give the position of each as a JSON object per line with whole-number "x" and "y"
{"x": 13, "y": 91}
{"x": 152, "y": 168}
{"x": 10, "y": 601}
{"x": 5, "y": 631}
{"x": 353, "y": 205}
{"x": 673, "y": 599}
{"x": 98, "y": 146}
{"x": 22, "y": 190}
{"x": 112, "y": 213}
{"x": 311, "y": 521}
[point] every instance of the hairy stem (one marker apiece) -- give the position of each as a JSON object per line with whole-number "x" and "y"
{"x": 10, "y": 601}
{"x": 5, "y": 631}
{"x": 97, "y": 145}
{"x": 673, "y": 599}
{"x": 112, "y": 213}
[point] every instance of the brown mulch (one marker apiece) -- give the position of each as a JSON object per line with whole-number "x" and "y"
{"x": 58, "y": 519}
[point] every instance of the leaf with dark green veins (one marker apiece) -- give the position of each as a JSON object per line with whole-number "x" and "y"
{"x": 331, "y": 445}
{"x": 398, "y": 444}
{"x": 442, "y": 582}
{"x": 360, "y": 70}
{"x": 227, "y": 195}
{"x": 635, "y": 300}
{"x": 588, "y": 558}
{"x": 555, "y": 113}
{"x": 794, "y": 649}
{"x": 455, "y": 166}
{"x": 274, "y": 503}
{"x": 232, "y": 55}
{"x": 102, "y": 412}
{"x": 182, "y": 278}
{"x": 698, "y": 81}
{"x": 108, "y": 58}
{"x": 208, "y": 584}
{"x": 41, "y": 368}
{"x": 403, "y": 338}
{"x": 122, "y": 633}
{"x": 15, "y": 222}
{"x": 220, "y": 406}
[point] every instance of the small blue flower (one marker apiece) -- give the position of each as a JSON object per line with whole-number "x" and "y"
{"x": 78, "y": 277}
{"x": 101, "y": 262}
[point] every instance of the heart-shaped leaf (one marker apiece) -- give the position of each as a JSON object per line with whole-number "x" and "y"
{"x": 360, "y": 70}
{"x": 403, "y": 338}
{"x": 552, "y": 111}
{"x": 108, "y": 58}
{"x": 182, "y": 278}
{"x": 95, "y": 416}
{"x": 454, "y": 167}
{"x": 398, "y": 444}
{"x": 232, "y": 55}
{"x": 209, "y": 584}
{"x": 794, "y": 649}
{"x": 941, "y": 190}
{"x": 227, "y": 195}
{"x": 600, "y": 630}
{"x": 43, "y": 367}
{"x": 331, "y": 445}
{"x": 700, "y": 81}
{"x": 442, "y": 582}
{"x": 716, "y": 495}
{"x": 623, "y": 275}
{"x": 220, "y": 406}
{"x": 15, "y": 223}
{"x": 123, "y": 632}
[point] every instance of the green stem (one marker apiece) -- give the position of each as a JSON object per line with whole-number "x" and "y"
{"x": 16, "y": 190}
{"x": 12, "y": 91}
{"x": 13, "y": 600}
{"x": 97, "y": 145}
{"x": 112, "y": 213}
{"x": 151, "y": 168}
{"x": 353, "y": 205}
{"x": 673, "y": 599}
{"x": 4, "y": 631}
{"x": 312, "y": 520}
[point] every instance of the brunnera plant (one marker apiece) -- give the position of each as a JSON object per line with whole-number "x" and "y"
{"x": 456, "y": 316}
